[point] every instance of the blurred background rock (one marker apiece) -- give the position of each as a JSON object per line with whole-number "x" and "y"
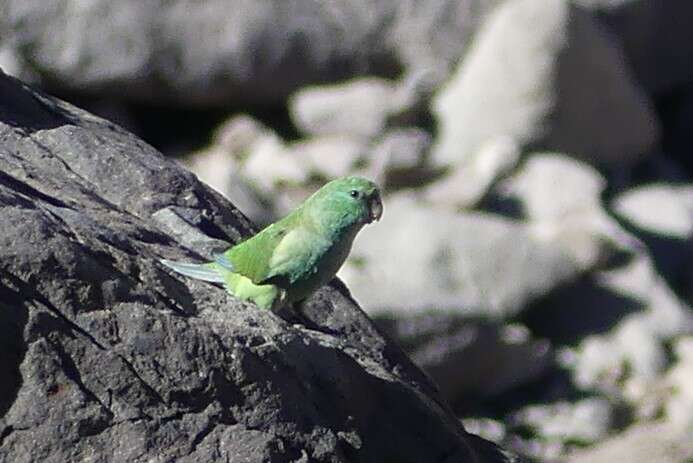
{"x": 536, "y": 253}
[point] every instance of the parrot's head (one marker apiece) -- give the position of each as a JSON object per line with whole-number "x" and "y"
{"x": 354, "y": 197}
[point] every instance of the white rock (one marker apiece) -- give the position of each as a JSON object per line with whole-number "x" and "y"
{"x": 643, "y": 443}
{"x": 421, "y": 257}
{"x": 253, "y": 167}
{"x": 358, "y": 108}
{"x": 562, "y": 200}
{"x": 679, "y": 380}
{"x": 466, "y": 185}
{"x": 546, "y": 74}
{"x": 585, "y": 421}
{"x": 330, "y": 156}
{"x": 271, "y": 163}
{"x": 628, "y": 361}
{"x": 662, "y": 209}
{"x": 401, "y": 149}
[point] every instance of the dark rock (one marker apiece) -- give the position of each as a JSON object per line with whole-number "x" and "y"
{"x": 469, "y": 358}
{"x": 655, "y": 36}
{"x": 106, "y": 356}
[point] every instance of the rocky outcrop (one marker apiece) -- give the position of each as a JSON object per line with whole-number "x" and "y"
{"x": 109, "y": 357}
{"x": 535, "y": 257}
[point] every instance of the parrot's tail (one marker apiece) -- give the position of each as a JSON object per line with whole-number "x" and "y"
{"x": 203, "y": 272}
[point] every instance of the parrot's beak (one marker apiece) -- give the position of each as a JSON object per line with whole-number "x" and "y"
{"x": 375, "y": 206}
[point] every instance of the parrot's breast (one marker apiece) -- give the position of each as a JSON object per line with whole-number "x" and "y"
{"x": 324, "y": 266}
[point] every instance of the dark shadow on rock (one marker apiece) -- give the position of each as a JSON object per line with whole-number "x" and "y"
{"x": 574, "y": 311}
{"x": 473, "y": 360}
{"x": 343, "y": 399}
{"x": 333, "y": 310}
{"x": 13, "y": 319}
{"x": 27, "y": 190}
{"x": 671, "y": 256}
{"x": 668, "y": 254}
{"x": 28, "y": 110}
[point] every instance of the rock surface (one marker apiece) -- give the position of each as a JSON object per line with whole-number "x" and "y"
{"x": 359, "y": 108}
{"x": 430, "y": 257}
{"x": 645, "y": 443}
{"x": 550, "y": 298}
{"x": 109, "y": 357}
{"x": 229, "y": 51}
{"x": 472, "y": 359}
{"x": 544, "y": 73}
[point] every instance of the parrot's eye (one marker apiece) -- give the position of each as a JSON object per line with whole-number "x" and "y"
{"x": 354, "y": 193}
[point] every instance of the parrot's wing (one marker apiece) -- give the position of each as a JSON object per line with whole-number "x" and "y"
{"x": 252, "y": 258}
{"x": 197, "y": 271}
{"x": 295, "y": 254}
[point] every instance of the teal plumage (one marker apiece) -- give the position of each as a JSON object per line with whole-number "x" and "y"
{"x": 288, "y": 260}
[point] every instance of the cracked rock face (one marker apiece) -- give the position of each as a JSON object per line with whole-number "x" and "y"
{"x": 106, "y": 356}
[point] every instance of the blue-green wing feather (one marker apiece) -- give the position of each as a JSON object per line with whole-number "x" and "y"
{"x": 203, "y": 272}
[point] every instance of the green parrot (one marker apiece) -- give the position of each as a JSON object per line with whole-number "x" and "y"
{"x": 291, "y": 258}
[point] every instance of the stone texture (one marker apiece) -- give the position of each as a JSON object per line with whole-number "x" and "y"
{"x": 429, "y": 257}
{"x": 467, "y": 184}
{"x": 108, "y": 357}
{"x": 586, "y": 421}
{"x": 645, "y": 443}
{"x": 561, "y": 198}
{"x": 627, "y": 360}
{"x": 660, "y": 209}
{"x": 360, "y": 108}
{"x": 662, "y": 217}
{"x": 231, "y": 51}
{"x": 401, "y": 150}
{"x": 544, "y": 73}
{"x": 679, "y": 406}
{"x": 470, "y": 359}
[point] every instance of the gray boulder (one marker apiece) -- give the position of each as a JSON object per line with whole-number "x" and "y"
{"x": 423, "y": 256}
{"x": 660, "y": 209}
{"x": 662, "y": 216}
{"x": 561, "y": 198}
{"x": 229, "y": 51}
{"x": 470, "y": 359}
{"x": 106, "y": 356}
{"x": 546, "y": 74}
{"x": 585, "y": 421}
{"x": 468, "y": 182}
{"x": 643, "y": 443}
{"x": 359, "y": 107}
